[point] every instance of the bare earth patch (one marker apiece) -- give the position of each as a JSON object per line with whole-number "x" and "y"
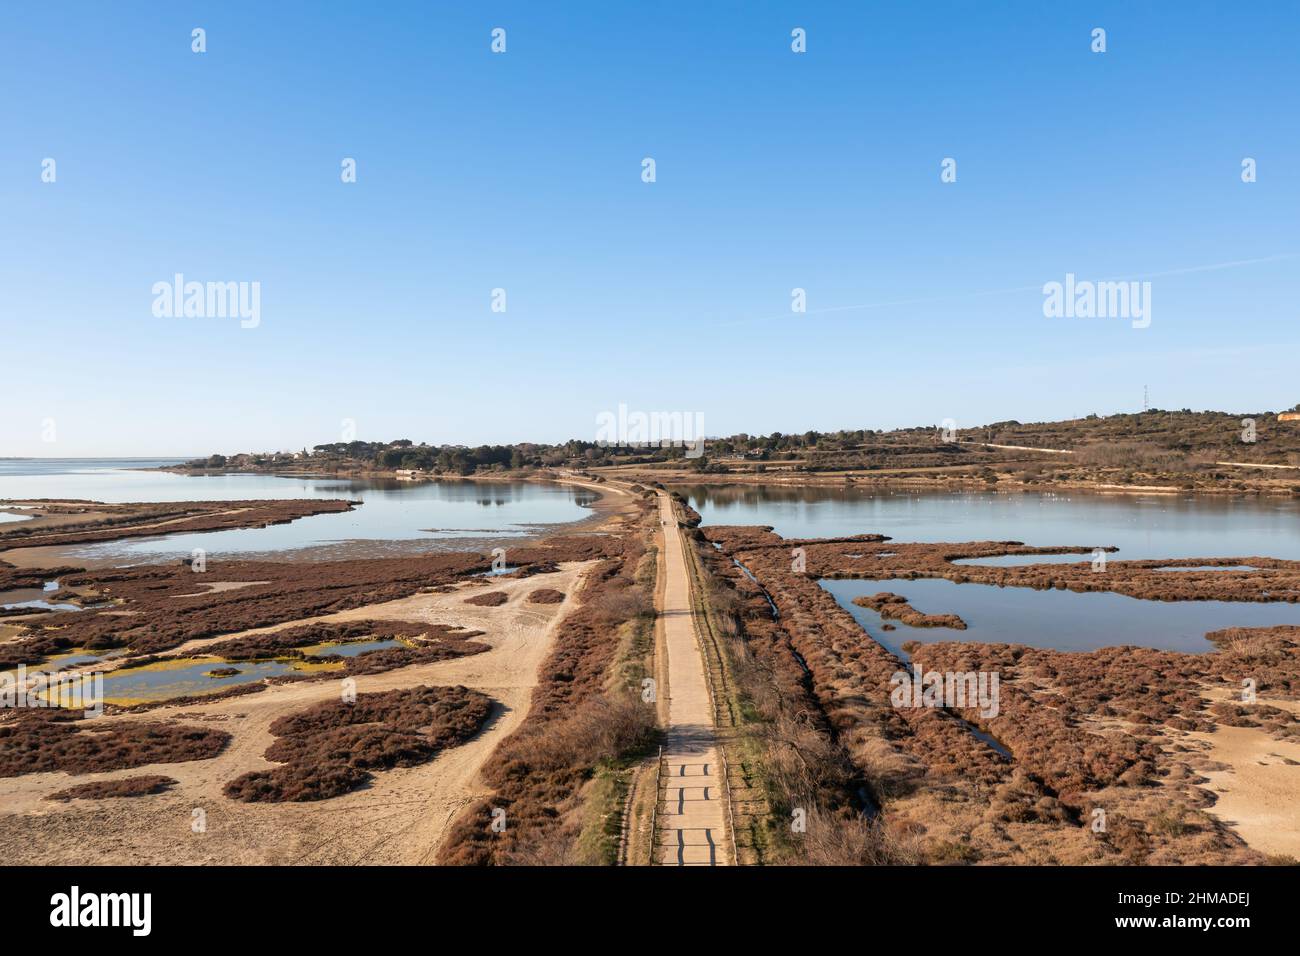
{"x": 1255, "y": 788}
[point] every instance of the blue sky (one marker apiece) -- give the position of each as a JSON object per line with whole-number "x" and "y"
{"x": 522, "y": 171}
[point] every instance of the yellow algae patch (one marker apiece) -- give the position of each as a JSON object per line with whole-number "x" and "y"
{"x": 326, "y": 647}
{"x": 193, "y": 677}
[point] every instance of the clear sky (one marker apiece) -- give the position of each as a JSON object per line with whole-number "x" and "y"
{"x": 523, "y": 171}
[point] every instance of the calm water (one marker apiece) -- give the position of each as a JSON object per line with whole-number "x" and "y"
{"x": 1142, "y": 526}
{"x": 1022, "y": 560}
{"x": 66, "y": 660}
{"x": 353, "y": 648}
{"x": 189, "y": 677}
{"x": 1064, "y": 620}
{"x": 35, "y": 598}
{"x": 392, "y": 511}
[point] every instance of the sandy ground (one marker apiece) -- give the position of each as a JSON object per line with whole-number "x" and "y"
{"x": 217, "y": 587}
{"x": 400, "y": 818}
{"x": 1257, "y": 791}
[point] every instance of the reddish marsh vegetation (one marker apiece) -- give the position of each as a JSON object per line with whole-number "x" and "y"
{"x": 126, "y": 787}
{"x": 332, "y": 748}
{"x": 157, "y": 608}
{"x": 489, "y": 599}
{"x": 896, "y": 608}
{"x": 1105, "y": 730}
{"x": 873, "y": 556}
{"x": 791, "y": 753}
{"x": 1111, "y": 729}
{"x": 424, "y": 644}
{"x": 40, "y": 741}
{"x": 285, "y": 641}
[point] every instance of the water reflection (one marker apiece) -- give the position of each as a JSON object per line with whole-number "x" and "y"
{"x": 391, "y": 511}
{"x": 1142, "y": 526}
{"x": 1064, "y": 620}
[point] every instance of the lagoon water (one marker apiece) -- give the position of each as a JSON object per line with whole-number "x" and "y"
{"x": 391, "y": 510}
{"x": 1064, "y": 620}
{"x": 1142, "y": 526}
{"x": 186, "y": 677}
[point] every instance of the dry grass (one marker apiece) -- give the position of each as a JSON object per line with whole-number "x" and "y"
{"x": 849, "y": 840}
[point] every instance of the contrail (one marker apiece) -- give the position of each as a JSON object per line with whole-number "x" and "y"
{"x": 1209, "y": 267}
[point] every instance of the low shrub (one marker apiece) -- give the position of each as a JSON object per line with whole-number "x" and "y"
{"x": 331, "y": 748}
{"x": 126, "y": 787}
{"x": 490, "y": 599}
{"x": 42, "y": 741}
{"x": 546, "y": 596}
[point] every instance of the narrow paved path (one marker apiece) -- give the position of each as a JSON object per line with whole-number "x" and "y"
{"x": 1050, "y": 451}
{"x": 692, "y": 821}
{"x": 1248, "y": 464}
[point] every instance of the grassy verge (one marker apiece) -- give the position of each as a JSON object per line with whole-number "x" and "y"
{"x": 756, "y": 829}
{"x": 605, "y": 797}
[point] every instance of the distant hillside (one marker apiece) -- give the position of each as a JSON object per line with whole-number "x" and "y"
{"x": 1207, "y": 435}
{"x": 1152, "y": 442}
